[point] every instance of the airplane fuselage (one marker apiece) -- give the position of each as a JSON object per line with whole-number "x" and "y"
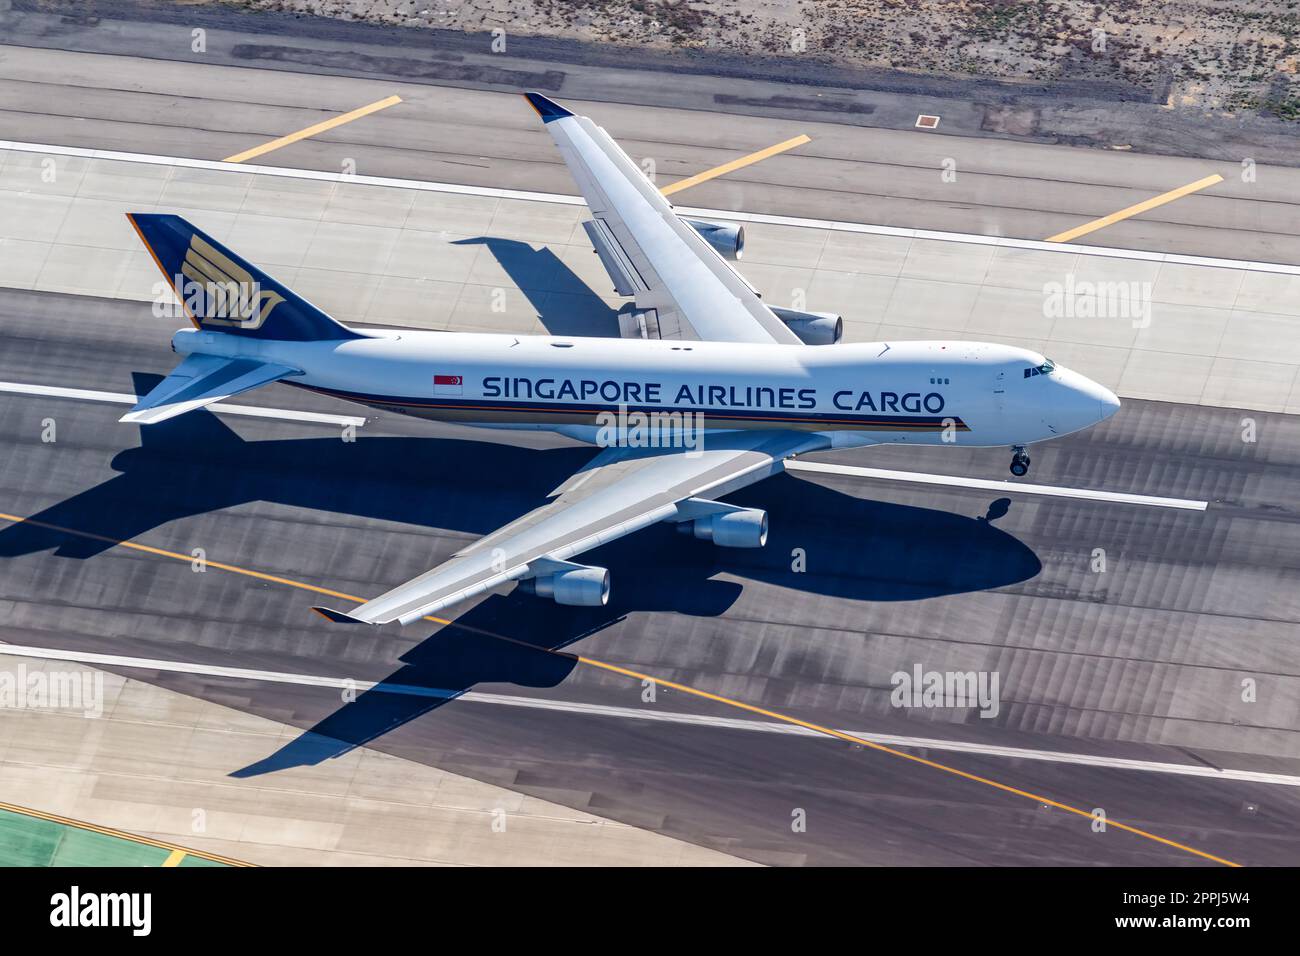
{"x": 969, "y": 393}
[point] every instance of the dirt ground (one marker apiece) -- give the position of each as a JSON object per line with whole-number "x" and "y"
{"x": 1225, "y": 55}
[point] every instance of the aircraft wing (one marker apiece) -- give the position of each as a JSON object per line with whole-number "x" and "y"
{"x": 684, "y": 289}
{"x": 620, "y": 491}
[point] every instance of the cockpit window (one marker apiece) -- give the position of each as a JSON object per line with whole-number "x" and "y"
{"x": 1047, "y": 366}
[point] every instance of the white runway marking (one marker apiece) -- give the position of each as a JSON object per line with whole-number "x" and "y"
{"x": 629, "y": 713}
{"x": 956, "y": 481}
{"x": 1010, "y": 487}
{"x": 725, "y": 214}
{"x": 126, "y": 398}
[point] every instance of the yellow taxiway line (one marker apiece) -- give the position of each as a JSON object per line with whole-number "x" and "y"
{"x": 695, "y": 692}
{"x": 1134, "y": 210}
{"x": 830, "y": 732}
{"x": 313, "y": 130}
{"x": 735, "y": 164}
{"x": 177, "y": 852}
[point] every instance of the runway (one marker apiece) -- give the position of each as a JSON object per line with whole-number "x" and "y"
{"x": 1142, "y": 661}
{"x": 1139, "y": 599}
{"x": 444, "y": 256}
{"x": 150, "y": 96}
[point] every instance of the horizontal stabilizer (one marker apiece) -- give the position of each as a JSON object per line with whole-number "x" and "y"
{"x": 339, "y": 617}
{"x": 201, "y": 380}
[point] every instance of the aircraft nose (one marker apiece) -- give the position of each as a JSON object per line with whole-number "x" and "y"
{"x": 1096, "y": 396}
{"x": 1085, "y": 402}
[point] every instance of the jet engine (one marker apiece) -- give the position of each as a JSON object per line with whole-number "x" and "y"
{"x": 813, "y": 328}
{"x": 743, "y": 528}
{"x": 728, "y": 240}
{"x": 578, "y": 586}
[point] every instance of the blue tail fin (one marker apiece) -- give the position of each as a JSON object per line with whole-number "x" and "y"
{"x": 222, "y": 292}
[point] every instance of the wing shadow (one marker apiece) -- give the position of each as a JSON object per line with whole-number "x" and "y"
{"x": 859, "y": 548}
{"x": 565, "y": 304}
{"x": 855, "y": 547}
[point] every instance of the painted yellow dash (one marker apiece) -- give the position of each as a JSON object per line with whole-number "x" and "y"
{"x": 174, "y": 858}
{"x": 735, "y": 164}
{"x": 313, "y": 130}
{"x": 120, "y": 834}
{"x": 636, "y": 675}
{"x": 1141, "y": 207}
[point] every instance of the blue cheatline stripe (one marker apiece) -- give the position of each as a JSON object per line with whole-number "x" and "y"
{"x": 770, "y": 415}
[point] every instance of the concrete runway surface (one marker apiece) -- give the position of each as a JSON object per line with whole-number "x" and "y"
{"x": 1143, "y": 661}
{"x": 892, "y": 177}
{"x": 1121, "y": 690}
{"x": 429, "y": 255}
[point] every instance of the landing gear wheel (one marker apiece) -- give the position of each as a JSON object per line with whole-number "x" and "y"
{"x": 1019, "y": 462}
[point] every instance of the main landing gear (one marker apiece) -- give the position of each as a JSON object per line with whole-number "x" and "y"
{"x": 1019, "y": 461}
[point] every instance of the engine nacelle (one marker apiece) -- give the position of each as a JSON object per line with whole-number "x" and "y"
{"x": 728, "y": 240}
{"x": 813, "y": 328}
{"x": 746, "y": 528}
{"x": 577, "y": 587}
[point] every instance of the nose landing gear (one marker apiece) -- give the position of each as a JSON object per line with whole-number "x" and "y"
{"x": 1019, "y": 461}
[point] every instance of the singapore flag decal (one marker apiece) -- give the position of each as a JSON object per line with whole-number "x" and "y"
{"x": 447, "y": 384}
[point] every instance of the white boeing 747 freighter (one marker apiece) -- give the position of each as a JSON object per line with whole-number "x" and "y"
{"x": 708, "y": 390}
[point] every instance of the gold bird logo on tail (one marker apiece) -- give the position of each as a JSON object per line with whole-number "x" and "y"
{"x": 226, "y": 293}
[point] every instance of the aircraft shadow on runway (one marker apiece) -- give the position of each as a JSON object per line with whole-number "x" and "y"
{"x": 565, "y": 305}
{"x": 858, "y": 548}
{"x": 855, "y": 548}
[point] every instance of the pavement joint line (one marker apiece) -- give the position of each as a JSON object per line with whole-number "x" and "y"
{"x": 725, "y": 214}
{"x": 126, "y": 398}
{"x": 1200, "y": 770}
{"x": 321, "y": 127}
{"x": 1137, "y": 208}
{"x": 683, "y": 688}
{"x": 741, "y": 163}
{"x": 122, "y": 835}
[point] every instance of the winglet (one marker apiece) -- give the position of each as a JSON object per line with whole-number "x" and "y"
{"x": 338, "y": 617}
{"x": 548, "y": 110}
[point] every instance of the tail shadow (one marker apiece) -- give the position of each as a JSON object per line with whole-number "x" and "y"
{"x": 195, "y": 464}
